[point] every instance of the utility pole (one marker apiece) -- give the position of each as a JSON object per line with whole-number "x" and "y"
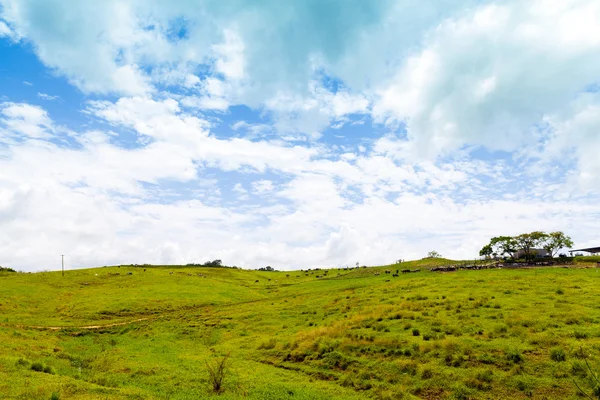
{"x": 63, "y": 264}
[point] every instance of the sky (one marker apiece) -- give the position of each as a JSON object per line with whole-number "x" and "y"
{"x": 315, "y": 133}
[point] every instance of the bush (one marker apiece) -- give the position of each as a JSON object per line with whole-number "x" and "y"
{"x": 55, "y": 396}
{"x": 217, "y": 372}
{"x": 558, "y": 354}
{"x": 48, "y": 370}
{"x": 37, "y": 366}
{"x": 415, "y": 332}
{"x": 514, "y": 356}
{"x": 560, "y": 291}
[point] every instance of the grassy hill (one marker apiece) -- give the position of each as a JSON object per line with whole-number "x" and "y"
{"x": 358, "y": 333}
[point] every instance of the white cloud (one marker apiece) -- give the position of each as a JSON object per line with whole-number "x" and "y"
{"x": 262, "y": 187}
{"x": 446, "y": 78}
{"x": 489, "y": 78}
{"x": 24, "y": 119}
{"x": 45, "y": 96}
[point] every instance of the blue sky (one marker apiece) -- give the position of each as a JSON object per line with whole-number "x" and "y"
{"x": 293, "y": 134}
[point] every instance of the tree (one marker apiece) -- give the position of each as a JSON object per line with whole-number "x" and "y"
{"x": 504, "y": 245}
{"x": 556, "y": 241}
{"x": 528, "y": 241}
{"x": 486, "y": 251}
{"x": 433, "y": 254}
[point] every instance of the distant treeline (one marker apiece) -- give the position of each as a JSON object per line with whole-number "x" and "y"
{"x": 212, "y": 264}
{"x": 6, "y": 269}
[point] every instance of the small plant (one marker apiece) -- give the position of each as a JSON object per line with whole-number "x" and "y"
{"x": 595, "y": 381}
{"x": 560, "y": 291}
{"x": 37, "y": 366}
{"x": 515, "y": 356}
{"x": 55, "y": 396}
{"x": 48, "y": 370}
{"x": 558, "y": 354}
{"x": 217, "y": 372}
{"x": 415, "y": 332}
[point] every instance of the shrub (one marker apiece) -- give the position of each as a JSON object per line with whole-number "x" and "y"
{"x": 415, "y": 332}
{"x": 560, "y": 291}
{"x": 48, "y": 370}
{"x": 55, "y": 396}
{"x": 37, "y": 366}
{"x": 217, "y": 372}
{"x": 558, "y": 354}
{"x": 514, "y": 356}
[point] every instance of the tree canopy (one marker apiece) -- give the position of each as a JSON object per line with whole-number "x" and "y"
{"x": 525, "y": 243}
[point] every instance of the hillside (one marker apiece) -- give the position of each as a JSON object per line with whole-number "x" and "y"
{"x": 358, "y": 333}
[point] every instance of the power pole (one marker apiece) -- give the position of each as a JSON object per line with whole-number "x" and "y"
{"x": 62, "y": 256}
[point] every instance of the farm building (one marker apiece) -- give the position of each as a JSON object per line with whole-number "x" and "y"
{"x": 591, "y": 250}
{"x": 536, "y": 253}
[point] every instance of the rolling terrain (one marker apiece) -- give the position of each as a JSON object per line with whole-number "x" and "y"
{"x": 148, "y": 333}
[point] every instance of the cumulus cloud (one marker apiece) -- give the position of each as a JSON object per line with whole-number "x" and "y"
{"x": 488, "y": 78}
{"x": 480, "y": 118}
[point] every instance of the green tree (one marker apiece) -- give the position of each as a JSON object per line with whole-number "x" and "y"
{"x": 486, "y": 251}
{"x": 433, "y": 254}
{"x": 528, "y": 241}
{"x": 556, "y": 241}
{"x": 504, "y": 245}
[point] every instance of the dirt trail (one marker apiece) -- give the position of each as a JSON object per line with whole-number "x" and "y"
{"x": 58, "y": 328}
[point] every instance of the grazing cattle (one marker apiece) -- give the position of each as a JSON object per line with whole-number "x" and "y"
{"x": 130, "y": 273}
{"x": 287, "y": 276}
{"x": 387, "y": 271}
{"x": 144, "y": 269}
{"x": 395, "y": 275}
{"x": 387, "y": 280}
{"x": 171, "y": 273}
{"x": 405, "y": 271}
{"x": 256, "y": 281}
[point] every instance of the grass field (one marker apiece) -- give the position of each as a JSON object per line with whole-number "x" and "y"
{"x": 489, "y": 334}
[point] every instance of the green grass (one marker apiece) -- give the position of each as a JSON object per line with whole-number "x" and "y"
{"x": 358, "y": 333}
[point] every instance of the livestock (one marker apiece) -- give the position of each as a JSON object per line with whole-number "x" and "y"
{"x": 256, "y": 281}
{"x": 387, "y": 271}
{"x": 395, "y": 275}
{"x": 130, "y": 273}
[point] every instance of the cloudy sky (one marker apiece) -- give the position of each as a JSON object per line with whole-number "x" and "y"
{"x": 293, "y": 134}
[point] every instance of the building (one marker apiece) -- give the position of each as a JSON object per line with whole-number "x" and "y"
{"x": 536, "y": 253}
{"x": 591, "y": 250}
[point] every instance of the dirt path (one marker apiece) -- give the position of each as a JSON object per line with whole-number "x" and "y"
{"x": 58, "y": 328}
